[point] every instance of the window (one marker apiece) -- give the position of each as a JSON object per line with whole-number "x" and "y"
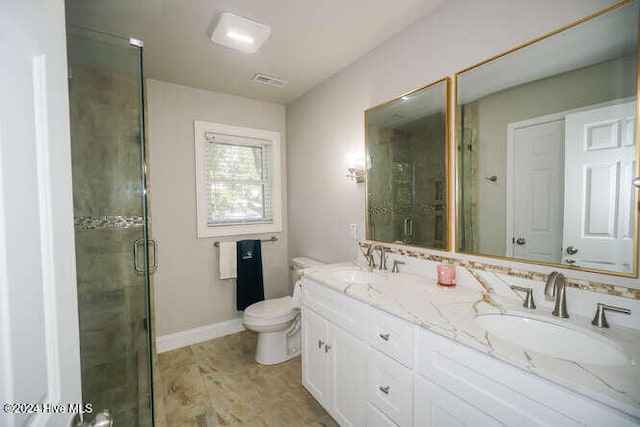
{"x": 238, "y": 180}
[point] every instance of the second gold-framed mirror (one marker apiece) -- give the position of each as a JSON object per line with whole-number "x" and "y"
{"x": 546, "y": 148}
{"x": 407, "y": 157}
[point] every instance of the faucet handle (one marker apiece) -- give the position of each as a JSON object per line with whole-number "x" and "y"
{"x": 600, "y": 320}
{"x": 528, "y": 299}
{"x": 368, "y": 255}
{"x": 396, "y": 263}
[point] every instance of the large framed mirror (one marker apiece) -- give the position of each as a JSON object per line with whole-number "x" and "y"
{"x": 407, "y": 146}
{"x": 546, "y": 148}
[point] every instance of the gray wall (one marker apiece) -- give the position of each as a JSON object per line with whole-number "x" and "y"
{"x": 327, "y": 122}
{"x": 188, "y": 293}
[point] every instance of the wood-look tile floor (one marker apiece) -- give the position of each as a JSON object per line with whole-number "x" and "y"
{"x": 218, "y": 383}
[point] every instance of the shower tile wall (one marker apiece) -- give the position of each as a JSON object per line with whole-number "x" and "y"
{"x": 402, "y": 187}
{"x": 112, "y": 300}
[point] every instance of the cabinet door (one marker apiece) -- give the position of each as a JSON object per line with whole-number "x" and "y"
{"x": 315, "y": 363}
{"x": 347, "y": 356}
{"x": 437, "y": 407}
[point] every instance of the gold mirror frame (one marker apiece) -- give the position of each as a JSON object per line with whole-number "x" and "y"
{"x": 447, "y": 131}
{"x": 456, "y": 135}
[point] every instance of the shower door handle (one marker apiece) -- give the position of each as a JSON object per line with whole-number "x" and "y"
{"x": 154, "y": 266}
{"x": 136, "y": 246}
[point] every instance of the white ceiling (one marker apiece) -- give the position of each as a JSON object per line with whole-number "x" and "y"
{"x": 310, "y": 40}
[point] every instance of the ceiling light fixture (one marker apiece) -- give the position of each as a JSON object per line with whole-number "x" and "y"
{"x": 239, "y": 33}
{"x": 240, "y": 37}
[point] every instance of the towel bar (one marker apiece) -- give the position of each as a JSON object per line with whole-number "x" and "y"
{"x": 272, "y": 239}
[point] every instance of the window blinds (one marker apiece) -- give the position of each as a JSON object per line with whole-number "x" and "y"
{"x": 237, "y": 180}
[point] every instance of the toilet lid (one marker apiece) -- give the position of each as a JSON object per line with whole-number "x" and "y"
{"x": 271, "y": 308}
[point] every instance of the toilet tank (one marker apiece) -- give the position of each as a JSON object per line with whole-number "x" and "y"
{"x": 300, "y": 263}
{"x": 297, "y": 265}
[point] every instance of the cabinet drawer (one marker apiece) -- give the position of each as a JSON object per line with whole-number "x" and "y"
{"x": 390, "y": 387}
{"x": 375, "y": 418}
{"x": 392, "y": 336}
{"x": 341, "y": 310}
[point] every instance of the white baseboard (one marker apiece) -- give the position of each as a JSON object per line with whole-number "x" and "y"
{"x": 200, "y": 334}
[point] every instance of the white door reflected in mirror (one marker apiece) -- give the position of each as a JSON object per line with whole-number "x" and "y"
{"x": 570, "y": 190}
{"x": 601, "y": 146}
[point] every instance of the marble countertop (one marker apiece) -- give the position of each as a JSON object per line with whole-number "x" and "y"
{"x": 450, "y": 312}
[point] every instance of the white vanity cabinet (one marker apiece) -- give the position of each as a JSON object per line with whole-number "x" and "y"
{"x": 334, "y": 353}
{"x": 368, "y": 367}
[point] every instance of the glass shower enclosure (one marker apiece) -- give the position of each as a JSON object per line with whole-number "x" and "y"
{"x": 111, "y": 229}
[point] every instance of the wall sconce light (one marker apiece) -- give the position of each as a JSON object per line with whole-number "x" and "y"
{"x": 355, "y": 168}
{"x": 356, "y": 175}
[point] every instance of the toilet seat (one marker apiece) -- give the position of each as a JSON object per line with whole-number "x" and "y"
{"x": 271, "y": 311}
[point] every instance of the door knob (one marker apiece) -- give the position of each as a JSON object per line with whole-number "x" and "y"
{"x": 636, "y": 182}
{"x": 572, "y": 250}
{"x": 320, "y": 343}
{"x": 520, "y": 241}
{"x": 570, "y": 261}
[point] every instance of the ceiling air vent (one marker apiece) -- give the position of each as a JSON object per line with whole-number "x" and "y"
{"x": 267, "y": 80}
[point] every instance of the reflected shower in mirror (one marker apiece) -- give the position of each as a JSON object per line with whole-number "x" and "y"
{"x": 406, "y": 144}
{"x": 547, "y": 148}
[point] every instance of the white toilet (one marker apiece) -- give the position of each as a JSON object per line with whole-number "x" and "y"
{"x": 277, "y": 321}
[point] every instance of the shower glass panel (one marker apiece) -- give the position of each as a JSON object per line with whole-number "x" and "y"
{"x": 110, "y": 210}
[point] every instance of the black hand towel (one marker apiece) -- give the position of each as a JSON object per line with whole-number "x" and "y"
{"x": 249, "y": 288}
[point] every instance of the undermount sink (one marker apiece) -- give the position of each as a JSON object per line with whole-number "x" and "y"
{"x": 551, "y": 339}
{"x": 357, "y": 276}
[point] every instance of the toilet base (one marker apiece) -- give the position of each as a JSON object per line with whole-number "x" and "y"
{"x": 274, "y": 347}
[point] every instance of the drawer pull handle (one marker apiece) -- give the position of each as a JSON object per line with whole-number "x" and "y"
{"x": 385, "y": 389}
{"x": 385, "y": 336}
{"x": 327, "y": 348}
{"x": 320, "y": 343}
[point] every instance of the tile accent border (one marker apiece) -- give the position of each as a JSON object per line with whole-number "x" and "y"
{"x": 585, "y": 285}
{"x": 107, "y": 222}
{"x": 200, "y": 334}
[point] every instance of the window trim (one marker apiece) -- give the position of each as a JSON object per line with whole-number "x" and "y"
{"x": 203, "y": 230}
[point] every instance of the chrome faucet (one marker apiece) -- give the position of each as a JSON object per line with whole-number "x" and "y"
{"x": 383, "y": 256}
{"x": 555, "y": 287}
{"x": 369, "y": 256}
